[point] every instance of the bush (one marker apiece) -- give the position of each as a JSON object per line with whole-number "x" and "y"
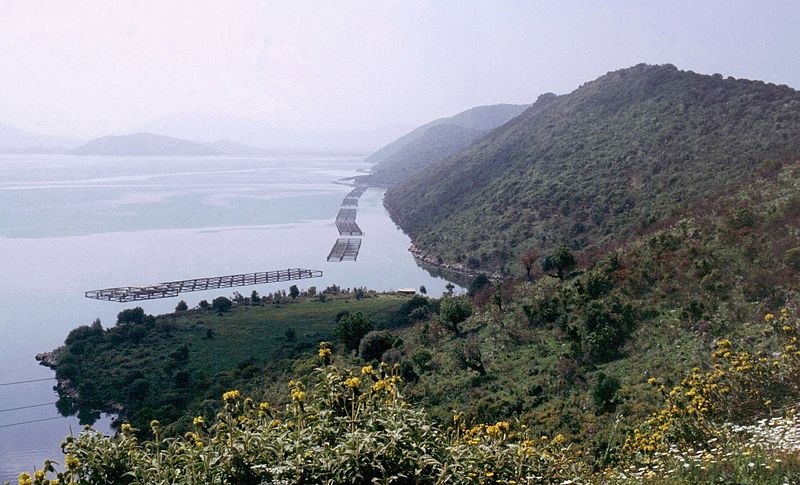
{"x": 792, "y": 258}
{"x": 374, "y": 344}
{"x": 130, "y": 316}
{"x": 453, "y": 311}
{"x": 351, "y": 328}
{"x": 181, "y": 306}
{"x": 350, "y": 428}
{"x": 221, "y": 304}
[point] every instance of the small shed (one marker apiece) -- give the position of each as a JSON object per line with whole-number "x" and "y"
{"x": 406, "y": 291}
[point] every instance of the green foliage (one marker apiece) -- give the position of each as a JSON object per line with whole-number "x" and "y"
{"x": 131, "y": 316}
{"x": 350, "y": 428}
{"x": 181, "y": 306}
{"x": 604, "y": 391}
{"x": 351, "y": 328}
{"x": 561, "y": 260}
{"x": 294, "y": 292}
{"x": 180, "y": 363}
{"x": 477, "y": 284}
{"x": 221, "y": 304}
{"x": 792, "y": 258}
{"x": 620, "y": 155}
{"x": 453, "y": 311}
{"x": 374, "y": 344}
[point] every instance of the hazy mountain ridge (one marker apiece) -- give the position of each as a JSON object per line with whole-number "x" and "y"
{"x": 435, "y": 141}
{"x": 17, "y": 140}
{"x": 143, "y": 144}
{"x": 478, "y": 118}
{"x": 611, "y": 158}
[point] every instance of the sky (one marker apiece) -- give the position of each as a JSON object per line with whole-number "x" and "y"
{"x": 90, "y": 68}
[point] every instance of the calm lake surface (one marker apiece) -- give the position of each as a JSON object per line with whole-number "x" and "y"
{"x": 70, "y": 224}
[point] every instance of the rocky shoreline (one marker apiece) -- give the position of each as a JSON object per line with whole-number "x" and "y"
{"x": 454, "y": 267}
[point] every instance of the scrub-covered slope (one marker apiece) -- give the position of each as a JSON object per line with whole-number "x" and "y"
{"x": 606, "y": 161}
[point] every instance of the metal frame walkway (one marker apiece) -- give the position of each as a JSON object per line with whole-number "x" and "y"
{"x": 345, "y": 249}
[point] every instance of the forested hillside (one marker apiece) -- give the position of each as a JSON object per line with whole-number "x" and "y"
{"x": 435, "y": 141}
{"x": 608, "y": 161}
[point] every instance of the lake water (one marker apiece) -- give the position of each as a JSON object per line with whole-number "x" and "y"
{"x": 71, "y": 224}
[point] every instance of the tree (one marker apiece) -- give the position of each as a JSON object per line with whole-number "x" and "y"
{"x": 604, "y": 393}
{"x": 221, "y": 304}
{"x": 374, "y": 344}
{"x": 497, "y": 298}
{"x": 294, "y": 292}
{"x": 351, "y": 328}
{"x": 130, "y": 316}
{"x": 204, "y": 304}
{"x": 181, "y": 306}
{"x": 254, "y": 298}
{"x": 528, "y": 261}
{"x": 453, "y": 311}
{"x": 470, "y": 357}
{"x": 423, "y": 290}
{"x": 561, "y": 260}
{"x": 477, "y": 284}
{"x": 449, "y": 287}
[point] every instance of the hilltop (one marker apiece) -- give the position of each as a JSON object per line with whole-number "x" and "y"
{"x": 608, "y": 161}
{"x": 143, "y": 144}
{"x": 435, "y": 141}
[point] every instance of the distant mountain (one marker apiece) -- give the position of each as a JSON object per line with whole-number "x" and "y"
{"x": 611, "y": 159}
{"x": 205, "y": 128}
{"x": 478, "y": 118}
{"x": 234, "y": 149}
{"x": 435, "y": 141}
{"x": 16, "y": 140}
{"x": 143, "y": 144}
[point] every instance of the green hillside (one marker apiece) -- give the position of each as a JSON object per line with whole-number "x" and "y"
{"x": 605, "y": 162}
{"x": 169, "y": 365}
{"x": 435, "y": 141}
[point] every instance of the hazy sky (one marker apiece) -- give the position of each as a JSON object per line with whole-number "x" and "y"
{"x": 98, "y": 67}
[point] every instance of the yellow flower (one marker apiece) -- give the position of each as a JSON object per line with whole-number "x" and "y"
{"x": 367, "y": 370}
{"x": 274, "y": 423}
{"x": 198, "y": 421}
{"x": 490, "y": 474}
{"x": 71, "y": 462}
{"x": 769, "y": 317}
{"x": 126, "y": 428}
{"x": 558, "y": 439}
{"x": 652, "y": 381}
{"x": 38, "y": 475}
{"x": 324, "y": 353}
{"x": 231, "y": 396}
{"x": 298, "y": 395}
{"x": 353, "y": 382}
{"x": 787, "y": 328}
{"x": 263, "y": 406}
{"x": 25, "y": 478}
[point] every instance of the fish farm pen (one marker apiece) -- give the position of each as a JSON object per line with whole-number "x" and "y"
{"x": 174, "y": 288}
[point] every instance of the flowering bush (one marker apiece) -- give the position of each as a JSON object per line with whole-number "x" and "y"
{"x": 352, "y": 427}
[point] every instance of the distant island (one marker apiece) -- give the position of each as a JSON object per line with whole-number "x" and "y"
{"x": 143, "y": 144}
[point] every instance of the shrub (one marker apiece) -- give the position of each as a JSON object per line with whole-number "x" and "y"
{"x": 351, "y": 328}
{"x": 352, "y": 427}
{"x": 792, "y": 258}
{"x": 453, "y": 311}
{"x": 221, "y": 304}
{"x": 181, "y": 306}
{"x": 374, "y": 344}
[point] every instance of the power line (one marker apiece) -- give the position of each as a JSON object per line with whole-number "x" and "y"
{"x": 31, "y": 421}
{"x": 27, "y": 407}
{"x": 25, "y": 382}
